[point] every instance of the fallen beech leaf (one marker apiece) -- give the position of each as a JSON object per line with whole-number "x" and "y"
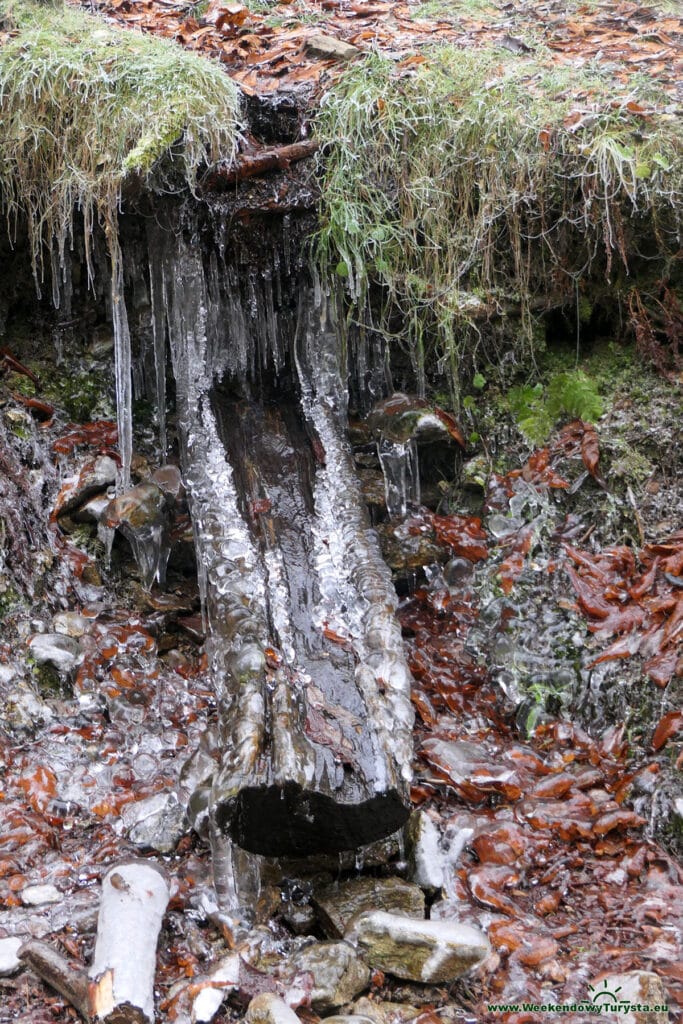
{"x": 668, "y": 726}
{"x": 617, "y": 820}
{"x": 548, "y": 904}
{"x": 231, "y": 16}
{"x": 536, "y": 951}
{"x": 590, "y": 452}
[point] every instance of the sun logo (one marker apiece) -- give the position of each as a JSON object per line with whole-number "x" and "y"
{"x": 605, "y": 994}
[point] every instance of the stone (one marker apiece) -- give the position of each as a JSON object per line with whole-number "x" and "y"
{"x": 141, "y": 515}
{"x": 208, "y": 1002}
{"x": 406, "y": 548}
{"x": 475, "y": 473}
{"x": 9, "y": 961}
{"x": 62, "y": 652}
{"x": 635, "y": 988}
{"x": 71, "y": 624}
{"x": 329, "y": 48}
{"x": 22, "y": 709}
{"x": 338, "y": 974}
{"x": 38, "y": 895}
{"x": 425, "y": 857}
{"x": 300, "y": 917}
{"x": 400, "y": 418}
{"x": 349, "y": 1018}
{"x": 385, "y": 1013}
{"x": 170, "y": 480}
{"x": 267, "y": 1008}
{"x": 95, "y": 475}
{"x": 337, "y": 904}
{"x": 158, "y": 822}
{"x": 136, "y": 509}
{"x": 431, "y": 952}
{"x": 91, "y": 511}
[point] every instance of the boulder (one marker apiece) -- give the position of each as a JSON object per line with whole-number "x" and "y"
{"x": 329, "y": 48}
{"x": 142, "y": 516}
{"x": 338, "y": 904}
{"x": 94, "y": 476}
{"x": 425, "y": 856}
{"x": 267, "y": 1008}
{"x": 38, "y": 895}
{"x": 9, "y": 961}
{"x": 385, "y": 1013}
{"x": 156, "y": 823}
{"x": 71, "y": 624}
{"x": 425, "y": 951}
{"x": 629, "y": 992}
{"x": 62, "y": 652}
{"x": 338, "y": 975}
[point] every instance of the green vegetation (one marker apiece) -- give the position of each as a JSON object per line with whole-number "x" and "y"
{"x": 84, "y": 107}
{"x": 536, "y": 409}
{"x": 469, "y": 183}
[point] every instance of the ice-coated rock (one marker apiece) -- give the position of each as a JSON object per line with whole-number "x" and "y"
{"x": 338, "y": 974}
{"x": 425, "y": 951}
{"x": 170, "y": 480}
{"x": 141, "y": 515}
{"x": 9, "y": 961}
{"x": 93, "y": 477}
{"x": 350, "y": 1018}
{"x": 267, "y": 1008}
{"x": 382, "y": 1012}
{"x": 71, "y": 624}
{"x": 156, "y": 823}
{"x": 337, "y": 904}
{"x": 37, "y": 895}
{"x": 627, "y": 991}
{"x": 223, "y": 978}
{"x": 425, "y": 855}
{"x": 63, "y": 652}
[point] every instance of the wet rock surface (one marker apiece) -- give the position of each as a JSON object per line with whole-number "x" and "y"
{"x": 9, "y": 961}
{"x": 338, "y": 975}
{"x": 425, "y": 951}
{"x": 338, "y": 904}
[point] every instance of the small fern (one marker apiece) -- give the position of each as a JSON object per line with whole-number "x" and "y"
{"x": 574, "y": 393}
{"x": 536, "y": 409}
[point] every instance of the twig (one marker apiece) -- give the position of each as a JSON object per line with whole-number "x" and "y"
{"x": 250, "y": 165}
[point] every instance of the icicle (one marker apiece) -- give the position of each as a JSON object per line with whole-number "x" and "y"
{"x": 159, "y": 344}
{"x": 399, "y": 462}
{"x": 122, "y": 365}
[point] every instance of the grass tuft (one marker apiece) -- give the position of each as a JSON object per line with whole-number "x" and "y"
{"x": 480, "y": 180}
{"x": 84, "y": 107}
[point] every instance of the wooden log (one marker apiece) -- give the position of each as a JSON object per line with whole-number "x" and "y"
{"x": 134, "y": 898}
{"x": 304, "y": 649}
{"x": 56, "y": 971}
{"x": 251, "y": 164}
{"x": 324, "y": 779}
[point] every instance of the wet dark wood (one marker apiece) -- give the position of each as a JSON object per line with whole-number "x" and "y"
{"x": 258, "y": 161}
{"x": 323, "y": 780}
{"x": 56, "y": 971}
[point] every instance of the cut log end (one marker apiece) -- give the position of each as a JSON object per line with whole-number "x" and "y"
{"x": 292, "y": 822}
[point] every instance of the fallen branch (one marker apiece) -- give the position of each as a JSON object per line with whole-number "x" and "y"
{"x": 134, "y": 899}
{"x": 55, "y": 970}
{"x": 250, "y": 165}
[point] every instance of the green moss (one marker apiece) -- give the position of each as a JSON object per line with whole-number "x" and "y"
{"x": 471, "y": 176}
{"x": 83, "y": 107}
{"x": 9, "y": 598}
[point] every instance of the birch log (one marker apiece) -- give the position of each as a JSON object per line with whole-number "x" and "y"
{"x": 134, "y": 898}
